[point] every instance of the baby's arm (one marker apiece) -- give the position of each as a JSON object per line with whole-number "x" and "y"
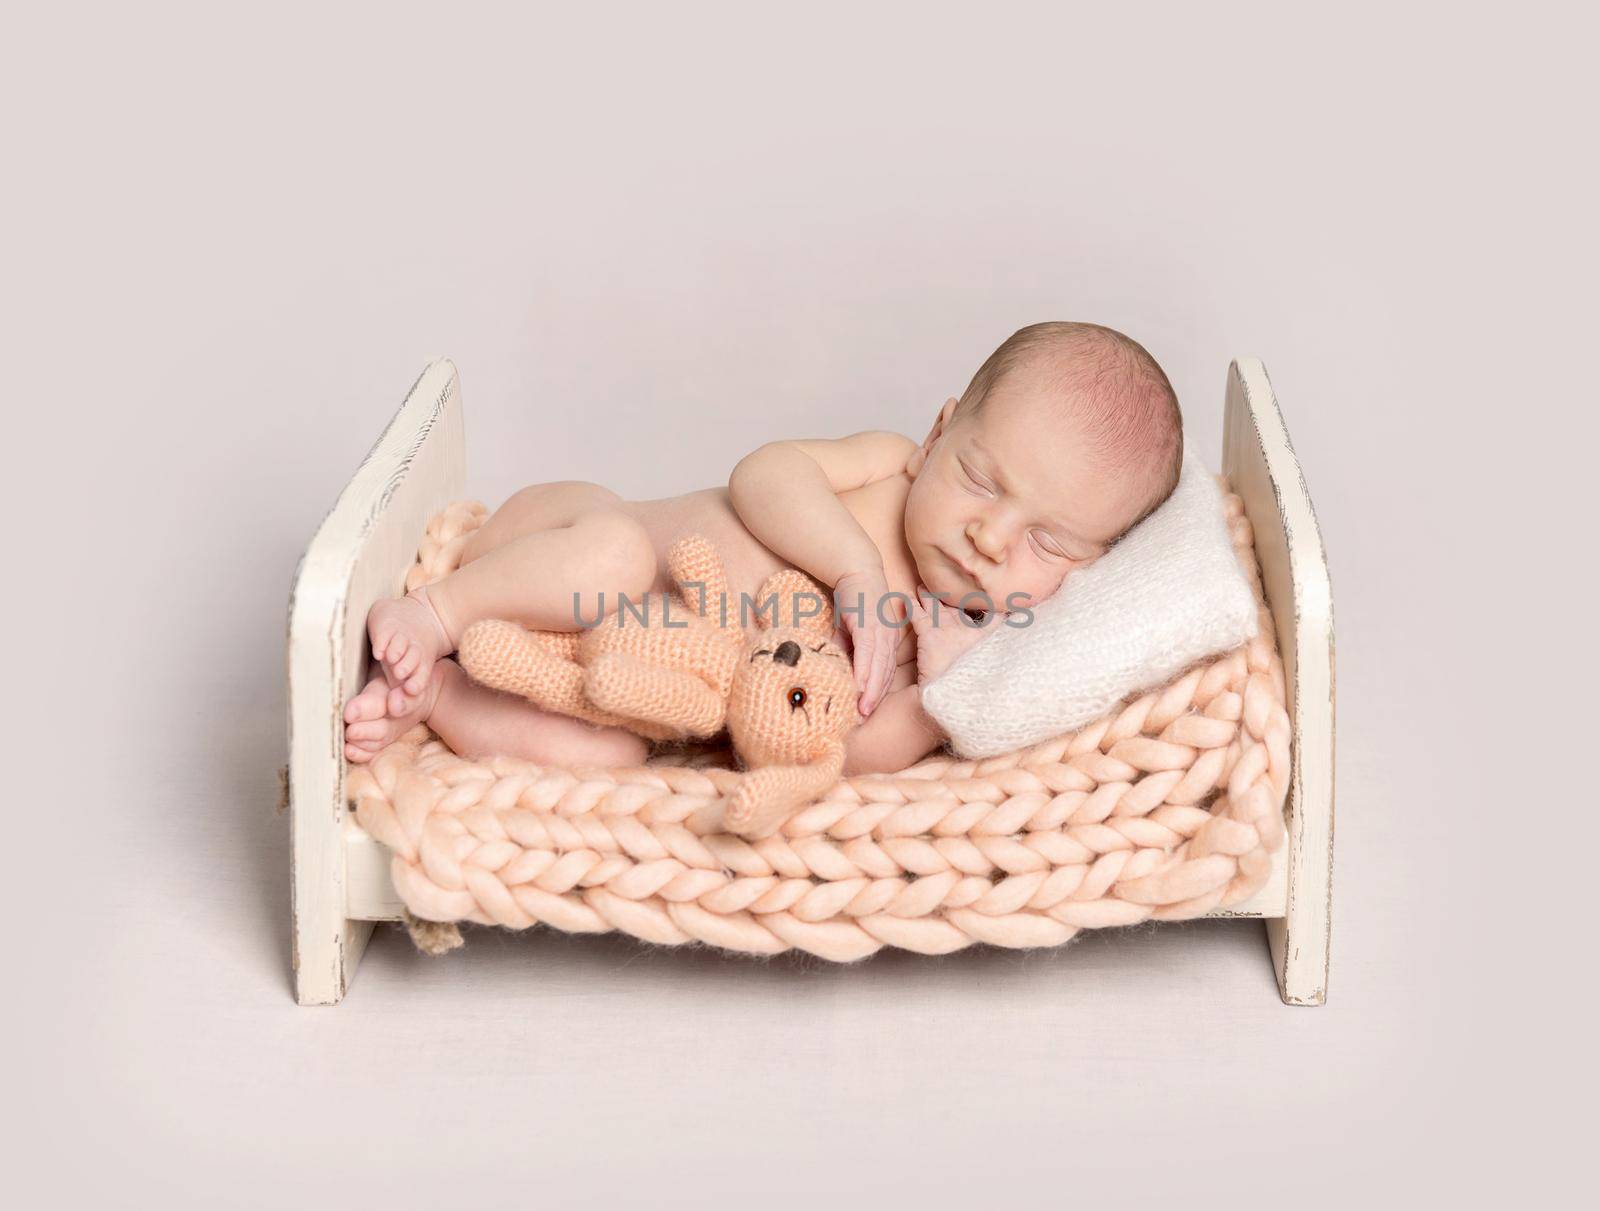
{"x": 898, "y": 735}
{"x": 787, "y": 494}
{"x": 901, "y": 732}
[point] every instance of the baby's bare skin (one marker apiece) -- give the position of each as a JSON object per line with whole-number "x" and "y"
{"x": 879, "y": 509}
{"x": 411, "y": 637}
{"x": 996, "y": 506}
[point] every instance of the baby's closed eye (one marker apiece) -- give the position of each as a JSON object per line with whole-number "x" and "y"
{"x": 1045, "y": 544}
{"x": 974, "y": 483}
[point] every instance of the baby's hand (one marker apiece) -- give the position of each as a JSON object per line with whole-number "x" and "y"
{"x": 941, "y": 640}
{"x": 873, "y": 641}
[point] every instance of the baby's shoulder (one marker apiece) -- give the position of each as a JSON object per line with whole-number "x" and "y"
{"x": 885, "y": 445}
{"x": 860, "y": 459}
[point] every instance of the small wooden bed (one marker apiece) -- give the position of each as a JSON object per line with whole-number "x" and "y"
{"x": 363, "y": 549}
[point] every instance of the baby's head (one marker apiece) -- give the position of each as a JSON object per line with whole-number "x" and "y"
{"x": 1067, "y": 437}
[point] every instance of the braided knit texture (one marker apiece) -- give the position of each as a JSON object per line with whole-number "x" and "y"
{"x": 1165, "y": 808}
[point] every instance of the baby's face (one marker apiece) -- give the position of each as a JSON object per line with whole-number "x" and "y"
{"x": 1006, "y": 503}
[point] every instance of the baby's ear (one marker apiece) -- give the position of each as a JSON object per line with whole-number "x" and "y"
{"x": 919, "y": 456}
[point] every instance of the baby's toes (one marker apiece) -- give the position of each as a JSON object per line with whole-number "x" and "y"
{"x": 373, "y": 729}
{"x": 368, "y": 704}
{"x": 400, "y": 703}
{"x": 400, "y": 650}
{"x": 382, "y": 641}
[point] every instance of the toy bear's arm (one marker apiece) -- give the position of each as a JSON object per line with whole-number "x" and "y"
{"x": 768, "y": 796}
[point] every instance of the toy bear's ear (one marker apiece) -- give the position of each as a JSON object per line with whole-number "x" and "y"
{"x": 696, "y": 569}
{"x": 795, "y": 596}
{"x": 790, "y": 598}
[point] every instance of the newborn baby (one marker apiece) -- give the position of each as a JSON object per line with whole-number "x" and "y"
{"x": 1067, "y": 436}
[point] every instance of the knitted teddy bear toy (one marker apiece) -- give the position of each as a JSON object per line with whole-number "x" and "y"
{"x": 686, "y": 666}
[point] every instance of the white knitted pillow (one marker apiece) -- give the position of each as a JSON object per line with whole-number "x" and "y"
{"x": 1169, "y": 594}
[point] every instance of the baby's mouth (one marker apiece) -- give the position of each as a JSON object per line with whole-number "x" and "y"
{"x": 966, "y": 575}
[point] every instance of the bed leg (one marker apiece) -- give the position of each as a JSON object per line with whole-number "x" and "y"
{"x": 325, "y": 957}
{"x": 1299, "y": 939}
{"x": 326, "y": 944}
{"x": 1301, "y": 961}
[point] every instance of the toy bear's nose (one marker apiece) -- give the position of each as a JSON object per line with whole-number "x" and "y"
{"x": 788, "y": 653}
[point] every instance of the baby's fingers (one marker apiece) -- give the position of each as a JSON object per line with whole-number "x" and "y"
{"x": 882, "y": 673}
{"x": 869, "y": 672}
{"x": 861, "y": 661}
{"x": 921, "y": 620}
{"x": 878, "y": 670}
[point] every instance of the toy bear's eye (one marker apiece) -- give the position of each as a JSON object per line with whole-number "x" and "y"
{"x": 797, "y": 698}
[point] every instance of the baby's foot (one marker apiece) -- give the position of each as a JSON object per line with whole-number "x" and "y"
{"x": 369, "y": 728}
{"x": 407, "y": 639}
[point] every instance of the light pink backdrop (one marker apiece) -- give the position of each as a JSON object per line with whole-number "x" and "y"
{"x": 652, "y": 241}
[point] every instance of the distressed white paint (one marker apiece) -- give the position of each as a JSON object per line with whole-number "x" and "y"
{"x": 369, "y": 891}
{"x": 1262, "y": 469}
{"x": 360, "y": 554}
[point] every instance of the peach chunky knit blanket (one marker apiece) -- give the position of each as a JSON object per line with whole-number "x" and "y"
{"x": 1165, "y": 808}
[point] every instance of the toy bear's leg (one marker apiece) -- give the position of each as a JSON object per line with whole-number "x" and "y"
{"x": 647, "y": 693}
{"x": 537, "y": 665}
{"x": 768, "y": 796}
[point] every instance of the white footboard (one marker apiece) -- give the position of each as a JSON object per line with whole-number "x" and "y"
{"x": 360, "y": 554}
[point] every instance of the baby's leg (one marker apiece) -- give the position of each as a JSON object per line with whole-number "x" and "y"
{"x": 477, "y": 722}
{"x": 544, "y": 559}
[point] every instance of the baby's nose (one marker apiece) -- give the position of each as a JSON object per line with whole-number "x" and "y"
{"x": 788, "y": 652}
{"x": 990, "y": 545}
